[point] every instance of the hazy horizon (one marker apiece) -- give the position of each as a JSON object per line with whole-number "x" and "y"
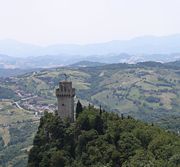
{"x": 46, "y": 22}
{"x": 83, "y": 44}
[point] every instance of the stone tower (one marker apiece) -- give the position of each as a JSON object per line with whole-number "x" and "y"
{"x": 65, "y": 96}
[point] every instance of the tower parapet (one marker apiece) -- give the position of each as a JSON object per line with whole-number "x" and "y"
{"x": 65, "y": 96}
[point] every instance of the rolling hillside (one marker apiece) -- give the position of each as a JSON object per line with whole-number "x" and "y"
{"x": 147, "y": 91}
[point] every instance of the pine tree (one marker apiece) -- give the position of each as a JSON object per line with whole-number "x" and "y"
{"x": 79, "y": 108}
{"x": 122, "y": 116}
{"x": 100, "y": 111}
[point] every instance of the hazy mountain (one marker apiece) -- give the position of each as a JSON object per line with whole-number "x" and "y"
{"x": 15, "y": 72}
{"x": 15, "y": 54}
{"x": 86, "y": 64}
{"x": 18, "y": 49}
{"x": 140, "y": 45}
{"x": 49, "y": 61}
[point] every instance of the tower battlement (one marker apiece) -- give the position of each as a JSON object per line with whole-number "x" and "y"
{"x": 65, "y": 95}
{"x": 65, "y": 89}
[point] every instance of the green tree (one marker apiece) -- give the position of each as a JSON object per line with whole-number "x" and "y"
{"x": 99, "y": 124}
{"x": 58, "y": 159}
{"x": 79, "y": 108}
{"x": 96, "y": 140}
{"x": 142, "y": 159}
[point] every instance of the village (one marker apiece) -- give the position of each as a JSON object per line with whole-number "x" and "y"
{"x": 27, "y": 101}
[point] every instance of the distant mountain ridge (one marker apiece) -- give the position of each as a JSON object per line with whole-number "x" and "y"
{"x": 87, "y": 64}
{"x": 50, "y": 61}
{"x": 15, "y": 54}
{"x": 141, "y": 45}
{"x": 9, "y": 72}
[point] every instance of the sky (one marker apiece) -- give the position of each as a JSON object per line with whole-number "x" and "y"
{"x": 47, "y": 22}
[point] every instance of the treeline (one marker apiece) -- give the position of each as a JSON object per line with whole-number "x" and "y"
{"x": 99, "y": 138}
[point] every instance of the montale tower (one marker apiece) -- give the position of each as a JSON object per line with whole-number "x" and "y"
{"x": 65, "y": 96}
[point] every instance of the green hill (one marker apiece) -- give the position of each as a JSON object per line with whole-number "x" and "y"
{"x": 147, "y": 91}
{"x": 99, "y": 139}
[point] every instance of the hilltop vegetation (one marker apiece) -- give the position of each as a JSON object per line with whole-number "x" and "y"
{"x": 146, "y": 91}
{"x": 99, "y": 139}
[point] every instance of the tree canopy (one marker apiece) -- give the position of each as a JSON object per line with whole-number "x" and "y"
{"x": 79, "y": 108}
{"x": 105, "y": 139}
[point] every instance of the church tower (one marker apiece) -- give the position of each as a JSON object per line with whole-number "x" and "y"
{"x": 65, "y": 96}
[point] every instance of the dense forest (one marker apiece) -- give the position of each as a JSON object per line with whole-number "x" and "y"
{"x": 99, "y": 138}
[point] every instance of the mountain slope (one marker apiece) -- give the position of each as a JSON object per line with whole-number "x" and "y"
{"x": 147, "y": 91}
{"x": 149, "y": 88}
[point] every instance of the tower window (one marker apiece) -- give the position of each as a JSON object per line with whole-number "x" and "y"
{"x": 62, "y": 104}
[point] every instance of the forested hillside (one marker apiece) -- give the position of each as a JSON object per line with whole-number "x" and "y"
{"x": 146, "y": 91}
{"x": 99, "y": 138}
